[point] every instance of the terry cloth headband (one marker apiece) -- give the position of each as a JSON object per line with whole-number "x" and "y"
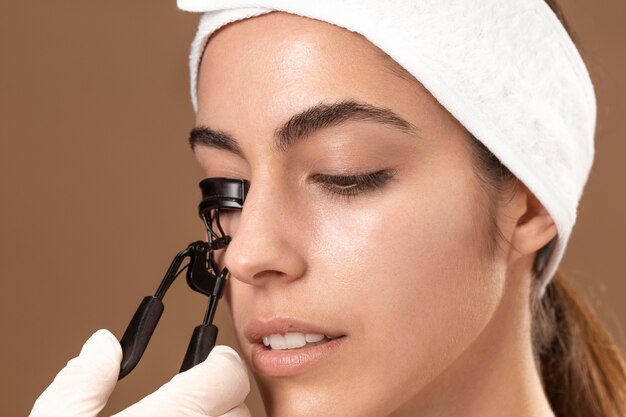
{"x": 506, "y": 69}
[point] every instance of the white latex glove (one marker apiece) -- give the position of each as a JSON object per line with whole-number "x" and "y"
{"x": 216, "y": 387}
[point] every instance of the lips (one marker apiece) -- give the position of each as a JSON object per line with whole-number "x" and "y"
{"x": 291, "y": 362}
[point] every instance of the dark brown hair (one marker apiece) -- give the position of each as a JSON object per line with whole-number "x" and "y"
{"x": 582, "y": 370}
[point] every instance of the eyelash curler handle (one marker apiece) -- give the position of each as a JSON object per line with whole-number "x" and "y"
{"x": 201, "y": 344}
{"x": 204, "y": 336}
{"x": 139, "y": 332}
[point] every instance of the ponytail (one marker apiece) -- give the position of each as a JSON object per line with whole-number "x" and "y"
{"x": 582, "y": 369}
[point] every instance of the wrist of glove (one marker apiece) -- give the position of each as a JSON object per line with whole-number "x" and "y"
{"x": 216, "y": 387}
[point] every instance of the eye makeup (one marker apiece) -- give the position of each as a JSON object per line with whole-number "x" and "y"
{"x": 350, "y": 186}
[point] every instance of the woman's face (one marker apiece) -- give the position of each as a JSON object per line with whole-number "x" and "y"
{"x": 396, "y": 261}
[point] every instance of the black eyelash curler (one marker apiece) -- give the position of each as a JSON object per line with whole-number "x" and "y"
{"x": 217, "y": 194}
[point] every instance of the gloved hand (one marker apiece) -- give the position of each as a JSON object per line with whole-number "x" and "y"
{"x": 216, "y": 387}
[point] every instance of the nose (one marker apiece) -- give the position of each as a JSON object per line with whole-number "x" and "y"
{"x": 265, "y": 241}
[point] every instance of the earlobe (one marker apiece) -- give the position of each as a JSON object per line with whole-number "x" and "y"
{"x": 534, "y": 228}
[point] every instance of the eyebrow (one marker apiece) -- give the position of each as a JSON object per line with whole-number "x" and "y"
{"x": 305, "y": 123}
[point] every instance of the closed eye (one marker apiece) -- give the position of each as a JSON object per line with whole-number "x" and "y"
{"x": 349, "y": 186}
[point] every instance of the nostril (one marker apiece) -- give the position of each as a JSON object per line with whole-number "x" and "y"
{"x": 268, "y": 274}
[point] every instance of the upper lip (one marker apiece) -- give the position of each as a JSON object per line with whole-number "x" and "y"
{"x": 255, "y": 329}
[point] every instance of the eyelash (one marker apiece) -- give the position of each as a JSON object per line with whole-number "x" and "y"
{"x": 349, "y": 186}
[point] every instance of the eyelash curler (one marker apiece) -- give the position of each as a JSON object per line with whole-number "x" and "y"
{"x": 217, "y": 194}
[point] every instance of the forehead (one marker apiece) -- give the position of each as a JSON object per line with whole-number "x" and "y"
{"x": 293, "y": 48}
{"x": 281, "y": 29}
{"x": 258, "y": 72}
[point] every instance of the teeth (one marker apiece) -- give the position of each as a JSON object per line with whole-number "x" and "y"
{"x": 312, "y": 338}
{"x": 278, "y": 341}
{"x": 291, "y": 340}
{"x": 294, "y": 340}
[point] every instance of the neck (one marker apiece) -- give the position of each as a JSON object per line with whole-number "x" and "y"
{"x": 495, "y": 376}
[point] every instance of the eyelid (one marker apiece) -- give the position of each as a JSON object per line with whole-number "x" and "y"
{"x": 354, "y": 175}
{"x": 351, "y": 185}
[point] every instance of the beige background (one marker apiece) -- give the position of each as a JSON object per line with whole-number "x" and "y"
{"x": 99, "y": 187}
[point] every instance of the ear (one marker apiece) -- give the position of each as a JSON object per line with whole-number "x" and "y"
{"x": 534, "y": 227}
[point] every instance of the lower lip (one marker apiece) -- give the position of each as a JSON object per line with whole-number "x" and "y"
{"x": 291, "y": 362}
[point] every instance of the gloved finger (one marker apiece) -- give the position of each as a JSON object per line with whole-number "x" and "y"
{"x": 82, "y": 388}
{"x": 211, "y": 388}
{"x": 239, "y": 411}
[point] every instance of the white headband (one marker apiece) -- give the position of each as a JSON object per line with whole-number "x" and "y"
{"x": 506, "y": 69}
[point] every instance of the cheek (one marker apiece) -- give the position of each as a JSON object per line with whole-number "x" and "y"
{"x": 412, "y": 276}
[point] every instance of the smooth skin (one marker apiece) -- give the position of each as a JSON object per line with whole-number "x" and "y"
{"x": 435, "y": 325}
